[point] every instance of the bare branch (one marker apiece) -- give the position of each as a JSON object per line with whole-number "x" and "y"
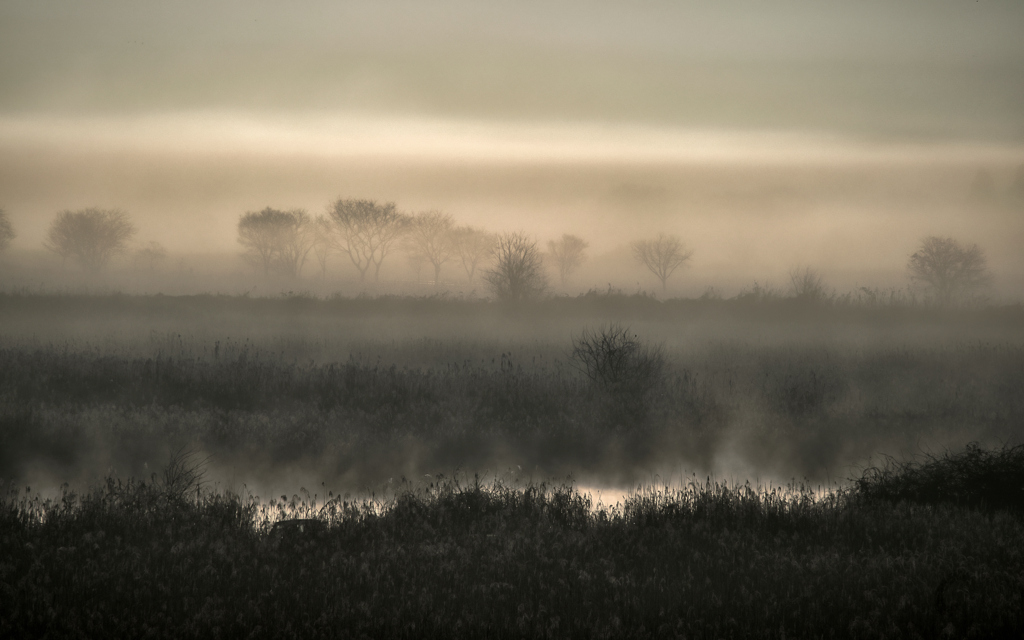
{"x": 366, "y": 231}
{"x": 473, "y": 246}
{"x": 568, "y": 252}
{"x": 90, "y": 236}
{"x": 662, "y": 256}
{"x": 517, "y": 274}
{"x": 948, "y": 270}
{"x": 431, "y": 239}
{"x": 277, "y": 240}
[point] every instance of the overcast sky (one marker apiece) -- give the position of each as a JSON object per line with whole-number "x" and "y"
{"x": 933, "y": 68}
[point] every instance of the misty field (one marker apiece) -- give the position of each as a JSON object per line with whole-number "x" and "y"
{"x": 354, "y": 392}
{"x": 415, "y": 437}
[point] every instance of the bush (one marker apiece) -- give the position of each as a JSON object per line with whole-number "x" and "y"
{"x": 807, "y": 285}
{"x": 976, "y": 478}
{"x": 518, "y": 272}
{"x": 620, "y": 365}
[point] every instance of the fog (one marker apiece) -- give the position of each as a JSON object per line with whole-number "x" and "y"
{"x": 917, "y": 68}
{"x": 812, "y": 134}
{"x": 752, "y": 206}
{"x": 767, "y": 137}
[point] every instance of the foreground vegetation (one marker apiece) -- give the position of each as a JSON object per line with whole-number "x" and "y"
{"x": 460, "y": 558}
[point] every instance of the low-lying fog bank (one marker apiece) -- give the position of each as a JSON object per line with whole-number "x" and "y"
{"x": 348, "y": 395}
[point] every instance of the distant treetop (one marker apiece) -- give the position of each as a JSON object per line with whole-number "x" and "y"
{"x": 662, "y": 255}
{"x": 6, "y": 230}
{"x": 949, "y": 271}
{"x": 91, "y": 237}
{"x": 366, "y": 231}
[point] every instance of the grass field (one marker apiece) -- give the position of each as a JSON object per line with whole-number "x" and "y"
{"x": 360, "y": 399}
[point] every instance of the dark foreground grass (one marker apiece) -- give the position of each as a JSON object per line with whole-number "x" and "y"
{"x": 456, "y": 558}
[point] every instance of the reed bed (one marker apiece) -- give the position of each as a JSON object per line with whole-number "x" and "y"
{"x": 458, "y": 557}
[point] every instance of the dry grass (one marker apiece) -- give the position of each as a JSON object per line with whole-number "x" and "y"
{"x": 461, "y": 558}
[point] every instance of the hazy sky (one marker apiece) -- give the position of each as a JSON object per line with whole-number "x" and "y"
{"x": 928, "y": 68}
{"x": 553, "y": 116}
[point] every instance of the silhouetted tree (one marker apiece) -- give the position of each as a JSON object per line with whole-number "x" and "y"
{"x": 366, "y": 231}
{"x": 151, "y": 254}
{"x": 322, "y": 241}
{"x": 518, "y": 272}
{"x": 276, "y": 240}
{"x": 568, "y": 254}
{"x": 948, "y": 270}
{"x": 662, "y": 256}
{"x": 6, "y": 230}
{"x": 807, "y": 284}
{"x": 298, "y": 244}
{"x": 431, "y": 238}
{"x": 473, "y": 246}
{"x": 91, "y": 236}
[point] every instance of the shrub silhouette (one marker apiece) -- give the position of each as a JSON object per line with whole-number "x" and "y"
{"x": 948, "y": 270}
{"x": 975, "y": 478}
{"x": 620, "y": 365}
{"x": 518, "y": 273}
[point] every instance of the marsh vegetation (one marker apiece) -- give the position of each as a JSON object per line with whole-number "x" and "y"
{"x": 435, "y": 452}
{"x": 612, "y": 388}
{"x": 457, "y": 557}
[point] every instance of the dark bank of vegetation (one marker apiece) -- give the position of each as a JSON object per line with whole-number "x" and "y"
{"x": 977, "y": 477}
{"x": 755, "y": 303}
{"x": 169, "y": 557}
{"x": 72, "y": 407}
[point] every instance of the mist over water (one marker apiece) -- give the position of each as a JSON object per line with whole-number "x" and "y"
{"x": 353, "y": 396}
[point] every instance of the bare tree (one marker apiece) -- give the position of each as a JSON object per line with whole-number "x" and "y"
{"x": 6, "y": 230}
{"x": 431, "y": 239}
{"x": 948, "y": 270}
{"x": 518, "y": 271}
{"x": 662, "y": 256}
{"x": 473, "y": 246}
{"x": 297, "y": 243}
{"x": 807, "y": 285}
{"x": 568, "y": 253}
{"x": 322, "y": 241}
{"x": 366, "y": 231}
{"x": 276, "y": 240}
{"x": 90, "y": 236}
{"x": 151, "y": 254}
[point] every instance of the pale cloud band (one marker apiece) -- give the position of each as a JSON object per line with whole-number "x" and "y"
{"x": 419, "y": 138}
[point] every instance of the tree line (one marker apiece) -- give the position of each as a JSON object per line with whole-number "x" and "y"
{"x": 366, "y": 232}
